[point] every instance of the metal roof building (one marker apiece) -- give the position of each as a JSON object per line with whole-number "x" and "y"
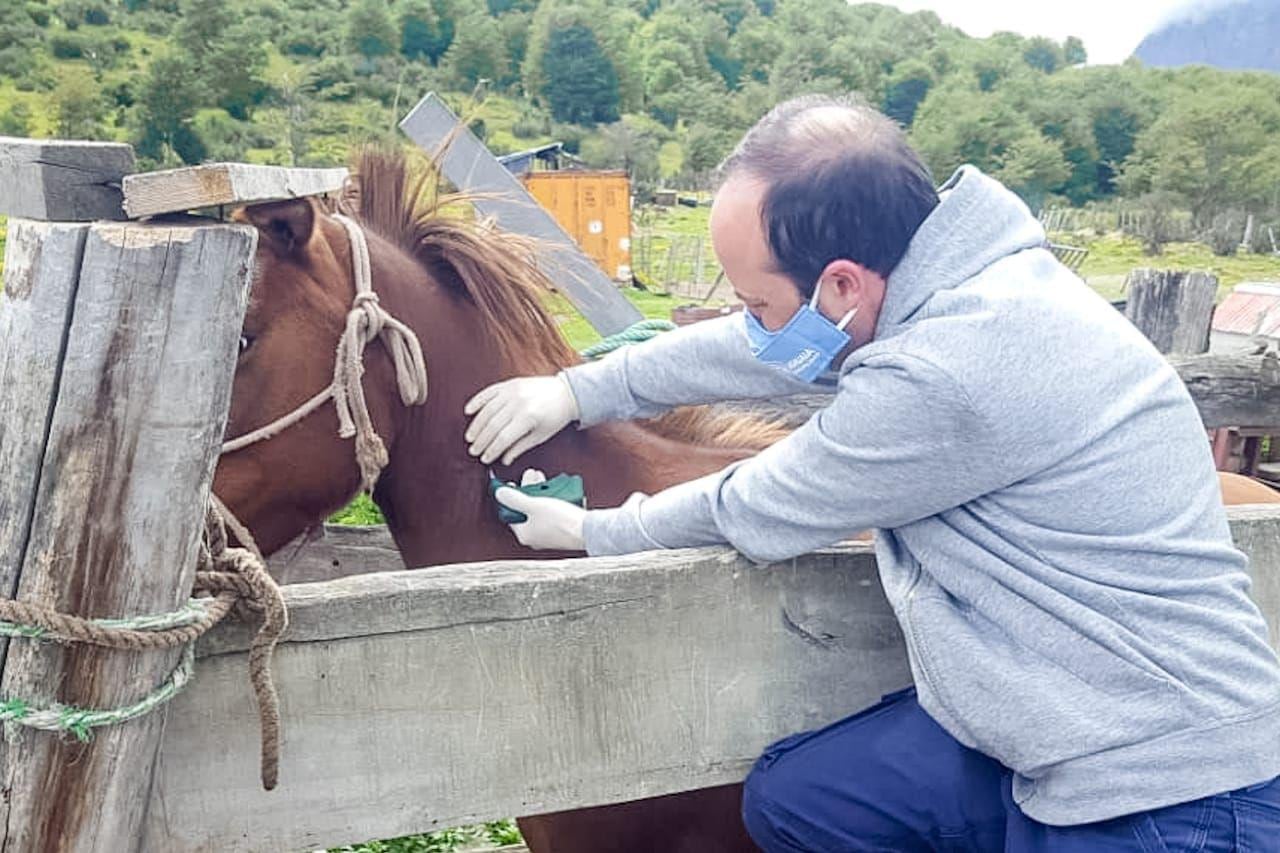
{"x": 1247, "y": 319}
{"x": 551, "y": 156}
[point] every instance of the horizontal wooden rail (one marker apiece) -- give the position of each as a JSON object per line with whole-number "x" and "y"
{"x": 62, "y": 180}
{"x": 223, "y": 185}
{"x": 426, "y": 698}
{"x": 1229, "y": 391}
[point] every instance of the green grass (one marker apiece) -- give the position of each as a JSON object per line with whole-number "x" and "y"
{"x": 1113, "y": 256}
{"x": 578, "y": 332}
{"x": 655, "y": 229}
{"x": 498, "y": 832}
{"x": 678, "y": 221}
{"x": 362, "y": 510}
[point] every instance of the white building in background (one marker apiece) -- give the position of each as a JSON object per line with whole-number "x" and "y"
{"x": 1248, "y": 319}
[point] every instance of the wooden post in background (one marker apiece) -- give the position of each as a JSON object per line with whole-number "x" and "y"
{"x": 136, "y": 403}
{"x": 1172, "y": 308}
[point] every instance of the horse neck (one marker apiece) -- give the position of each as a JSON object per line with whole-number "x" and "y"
{"x": 437, "y": 501}
{"x": 435, "y": 495}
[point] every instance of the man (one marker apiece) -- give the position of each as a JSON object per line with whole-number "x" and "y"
{"x": 1090, "y": 673}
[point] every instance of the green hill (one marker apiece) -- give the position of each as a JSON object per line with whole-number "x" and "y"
{"x": 661, "y": 87}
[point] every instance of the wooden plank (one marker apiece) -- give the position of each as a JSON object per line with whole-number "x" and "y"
{"x": 1256, "y": 531}
{"x": 223, "y": 184}
{"x": 1233, "y": 390}
{"x": 1229, "y": 390}
{"x": 487, "y": 690}
{"x": 62, "y": 180}
{"x": 1173, "y": 308}
{"x": 338, "y": 551}
{"x": 133, "y": 439}
{"x": 421, "y": 699}
{"x": 472, "y": 168}
{"x": 41, "y": 269}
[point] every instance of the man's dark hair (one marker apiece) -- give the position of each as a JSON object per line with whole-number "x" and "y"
{"x": 840, "y": 182}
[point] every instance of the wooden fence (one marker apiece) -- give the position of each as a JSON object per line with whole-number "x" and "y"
{"x": 684, "y": 265}
{"x": 410, "y": 699}
{"x": 428, "y": 698}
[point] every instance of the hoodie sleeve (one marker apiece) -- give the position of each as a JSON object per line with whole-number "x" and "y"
{"x": 900, "y": 442}
{"x": 701, "y": 363}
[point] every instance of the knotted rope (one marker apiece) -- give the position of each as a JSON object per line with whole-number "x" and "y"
{"x": 635, "y": 333}
{"x": 366, "y": 321}
{"x": 226, "y": 579}
{"x": 242, "y": 572}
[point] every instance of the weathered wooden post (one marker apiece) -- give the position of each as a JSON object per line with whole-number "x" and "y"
{"x": 117, "y": 348}
{"x": 1173, "y": 308}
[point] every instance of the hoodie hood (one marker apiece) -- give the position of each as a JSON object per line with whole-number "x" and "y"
{"x": 976, "y": 223}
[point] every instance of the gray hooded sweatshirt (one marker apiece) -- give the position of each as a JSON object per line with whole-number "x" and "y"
{"x": 1049, "y": 528}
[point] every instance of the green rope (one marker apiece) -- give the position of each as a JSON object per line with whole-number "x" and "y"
{"x": 633, "y": 334}
{"x": 80, "y": 722}
{"x": 194, "y": 610}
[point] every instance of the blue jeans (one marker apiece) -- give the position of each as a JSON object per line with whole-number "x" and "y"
{"x": 891, "y": 779}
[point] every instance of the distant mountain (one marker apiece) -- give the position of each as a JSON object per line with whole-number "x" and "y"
{"x": 1239, "y": 34}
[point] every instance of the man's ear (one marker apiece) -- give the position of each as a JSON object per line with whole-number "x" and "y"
{"x": 286, "y": 225}
{"x": 845, "y": 279}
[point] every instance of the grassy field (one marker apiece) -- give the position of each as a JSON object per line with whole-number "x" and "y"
{"x": 1113, "y": 256}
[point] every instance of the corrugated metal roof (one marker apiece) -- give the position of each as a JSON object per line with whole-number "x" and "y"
{"x": 1252, "y": 308}
{"x": 531, "y": 152}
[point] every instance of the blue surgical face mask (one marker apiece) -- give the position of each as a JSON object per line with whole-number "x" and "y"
{"x": 805, "y": 346}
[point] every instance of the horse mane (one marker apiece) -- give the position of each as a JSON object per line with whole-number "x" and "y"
{"x": 402, "y": 201}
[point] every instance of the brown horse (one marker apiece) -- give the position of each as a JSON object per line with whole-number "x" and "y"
{"x": 1238, "y": 489}
{"x": 473, "y": 298}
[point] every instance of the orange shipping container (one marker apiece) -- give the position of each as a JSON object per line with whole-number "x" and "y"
{"x": 595, "y": 208}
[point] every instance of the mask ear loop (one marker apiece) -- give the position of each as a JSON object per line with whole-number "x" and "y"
{"x": 813, "y": 306}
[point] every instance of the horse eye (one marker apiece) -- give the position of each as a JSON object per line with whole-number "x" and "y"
{"x": 245, "y": 343}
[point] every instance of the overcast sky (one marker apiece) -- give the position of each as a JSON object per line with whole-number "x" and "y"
{"x": 1111, "y": 29}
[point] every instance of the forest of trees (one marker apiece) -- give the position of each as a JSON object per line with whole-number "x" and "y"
{"x": 662, "y": 87}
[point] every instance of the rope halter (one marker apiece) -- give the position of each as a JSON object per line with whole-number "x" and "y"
{"x": 366, "y": 320}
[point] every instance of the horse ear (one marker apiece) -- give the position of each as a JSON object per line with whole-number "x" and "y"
{"x": 287, "y": 225}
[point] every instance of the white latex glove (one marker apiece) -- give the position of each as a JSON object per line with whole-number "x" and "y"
{"x": 553, "y": 524}
{"x": 515, "y": 415}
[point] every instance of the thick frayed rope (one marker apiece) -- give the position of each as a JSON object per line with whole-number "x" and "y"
{"x": 226, "y": 578}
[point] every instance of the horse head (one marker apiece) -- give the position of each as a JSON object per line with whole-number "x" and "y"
{"x": 301, "y": 298}
{"x": 437, "y": 282}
